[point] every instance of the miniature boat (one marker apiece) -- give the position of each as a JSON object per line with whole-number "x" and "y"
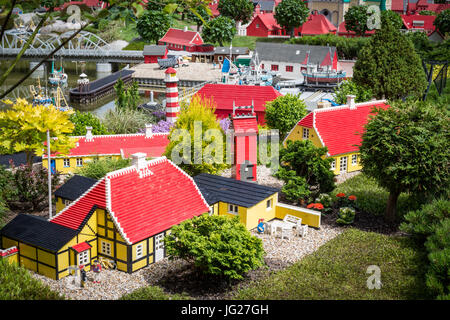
{"x": 57, "y": 77}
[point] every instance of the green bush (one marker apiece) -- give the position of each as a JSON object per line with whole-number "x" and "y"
{"x": 346, "y": 215}
{"x": 424, "y": 221}
{"x": 217, "y": 245}
{"x": 125, "y": 121}
{"x": 81, "y": 120}
{"x": 98, "y": 168}
{"x": 347, "y": 48}
{"x": 152, "y": 293}
{"x": 16, "y": 283}
{"x": 438, "y": 273}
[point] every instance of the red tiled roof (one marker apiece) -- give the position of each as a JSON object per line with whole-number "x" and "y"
{"x": 142, "y": 202}
{"x": 338, "y": 127}
{"x": 225, "y": 94}
{"x": 269, "y": 21}
{"x": 75, "y": 214}
{"x": 424, "y": 5}
{"x": 180, "y": 37}
{"x": 397, "y": 6}
{"x": 144, "y": 206}
{"x": 317, "y": 24}
{"x": 408, "y": 22}
{"x": 118, "y": 144}
{"x": 83, "y": 246}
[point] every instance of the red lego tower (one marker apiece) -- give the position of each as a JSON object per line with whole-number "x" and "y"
{"x": 244, "y": 143}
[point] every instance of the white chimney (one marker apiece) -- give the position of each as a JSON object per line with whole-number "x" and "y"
{"x": 138, "y": 160}
{"x": 351, "y": 101}
{"x": 148, "y": 130}
{"x": 89, "y": 136}
{"x": 185, "y": 28}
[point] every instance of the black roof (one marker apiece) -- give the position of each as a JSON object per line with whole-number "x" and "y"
{"x": 18, "y": 159}
{"x": 245, "y": 194}
{"x": 38, "y": 232}
{"x": 74, "y": 187}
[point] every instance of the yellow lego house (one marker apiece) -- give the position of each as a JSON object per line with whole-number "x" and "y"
{"x": 338, "y": 129}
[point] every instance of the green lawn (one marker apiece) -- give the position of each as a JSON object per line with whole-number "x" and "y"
{"x": 16, "y": 283}
{"x": 372, "y": 198}
{"x": 338, "y": 271}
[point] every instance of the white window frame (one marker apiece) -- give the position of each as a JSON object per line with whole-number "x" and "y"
{"x": 233, "y": 209}
{"x": 343, "y": 164}
{"x": 354, "y": 159}
{"x": 139, "y": 250}
{"x": 305, "y": 134}
{"x": 79, "y": 162}
{"x": 67, "y": 202}
{"x": 269, "y": 204}
{"x": 211, "y": 210}
{"x": 66, "y": 162}
{"x": 105, "y": 248}
{"x": 257, "y": 26}
{"x": 333, "y": 165}
{"x": 83, "y": 257}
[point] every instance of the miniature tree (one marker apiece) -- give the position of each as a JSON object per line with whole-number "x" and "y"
{"x": 152, "y": 25}
{"x": 442, "y": 22}
{"x": 81, "y": 120}
{"x": 217, "y": 245}
{"x": 304, "y": 167}
{"x": 291, "y": 14}
{"x": 24, "y": 128}
{"x": 406, "y": 149}
{"x": 356, "y": 20}
{"x": 197, "y": 142}
{"x": 389, "y": 66}
{"x": 238, "y": 10}
{"x": 219, "y": 30}
{"x": 349, "y": 87}
{"x": 284, "y": 112}
{"x": 202, "y": 13}
{"x": 127, "y": 98}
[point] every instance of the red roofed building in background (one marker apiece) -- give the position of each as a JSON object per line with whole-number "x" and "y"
{"x": 88, "y": 3}
{"x": 177, "y": 39}
{"x": 244, "y": 143}
{"x": 225, "y": 96}
{"x": 265, "y": 25}
{"x": 416, "y": 22}
{"x": 339, "y": 129}
{"x": 115, "y": 146}
{"x": 424, "y": 5}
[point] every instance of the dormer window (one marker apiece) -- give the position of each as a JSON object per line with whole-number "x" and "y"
{"x": 305, "y": 133}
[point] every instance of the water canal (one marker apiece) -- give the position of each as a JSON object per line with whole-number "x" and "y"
{"x": 73, "y": 70}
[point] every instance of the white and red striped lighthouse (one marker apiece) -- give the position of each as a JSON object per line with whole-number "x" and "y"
{"x": 172, "y": 106}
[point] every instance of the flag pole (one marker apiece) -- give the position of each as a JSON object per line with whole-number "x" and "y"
{"x": 49, "y": 177}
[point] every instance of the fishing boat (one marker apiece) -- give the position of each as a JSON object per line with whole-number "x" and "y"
{"x": 57, "y": 77}
{"x": 317, "y": 75}
{"x": 55, "y": 99}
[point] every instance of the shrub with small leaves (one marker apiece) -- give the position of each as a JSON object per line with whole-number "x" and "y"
{"x": 217, "y": 245}
{"x": 346, "y": 215}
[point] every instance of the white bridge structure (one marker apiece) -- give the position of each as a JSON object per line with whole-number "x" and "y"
{"x": 85, "y": 46}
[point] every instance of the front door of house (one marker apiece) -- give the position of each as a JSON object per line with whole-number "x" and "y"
{"x": 159, "y": 247}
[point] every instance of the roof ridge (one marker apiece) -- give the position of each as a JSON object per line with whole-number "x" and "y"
{"x": 122, "y": 135}
{"x": 346, "y": 106}
{"x": 77, "y": 200}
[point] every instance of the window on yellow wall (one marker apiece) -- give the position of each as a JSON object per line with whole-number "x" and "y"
{"x": 269, "y": 204}
{"x": 343, "y": 164}
{"x": 354, "y": 159}
{"x": 333, "y": 165}
{"x": 139, "y": 251}
{"x": 233, "y": 209}
{"x": 66, "y": 163}
{"x": 79, "y": 162}
{"x": 106, "y": 248}
{"x": 83, "y": 258}
{"x": 305, "y": 133}
{"x": 66, "y": 202}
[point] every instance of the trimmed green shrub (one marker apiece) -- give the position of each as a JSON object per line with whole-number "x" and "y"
{"x": 153, "y": 293}
{"x": 16, "y": 283}
{"x": 81, "y": 120}
{"x": 98, "y": 168}
{"x": 125, "y": 121}
{"x": 438, "y": 274}
{"x": 216, "y": 245}
{"x": 346, "y": 215}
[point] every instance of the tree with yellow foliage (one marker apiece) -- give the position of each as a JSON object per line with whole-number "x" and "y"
{"x": 23, "y": 128}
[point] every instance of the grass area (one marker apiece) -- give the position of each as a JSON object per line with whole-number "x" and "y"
{"x": 372, "y": 198}
{"x": 152, "y": 293}
{"x": 16, "y": 283}
{"x": 338, "y": 271}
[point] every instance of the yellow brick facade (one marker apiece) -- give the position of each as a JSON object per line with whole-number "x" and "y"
{"x": 66, "y": 165}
